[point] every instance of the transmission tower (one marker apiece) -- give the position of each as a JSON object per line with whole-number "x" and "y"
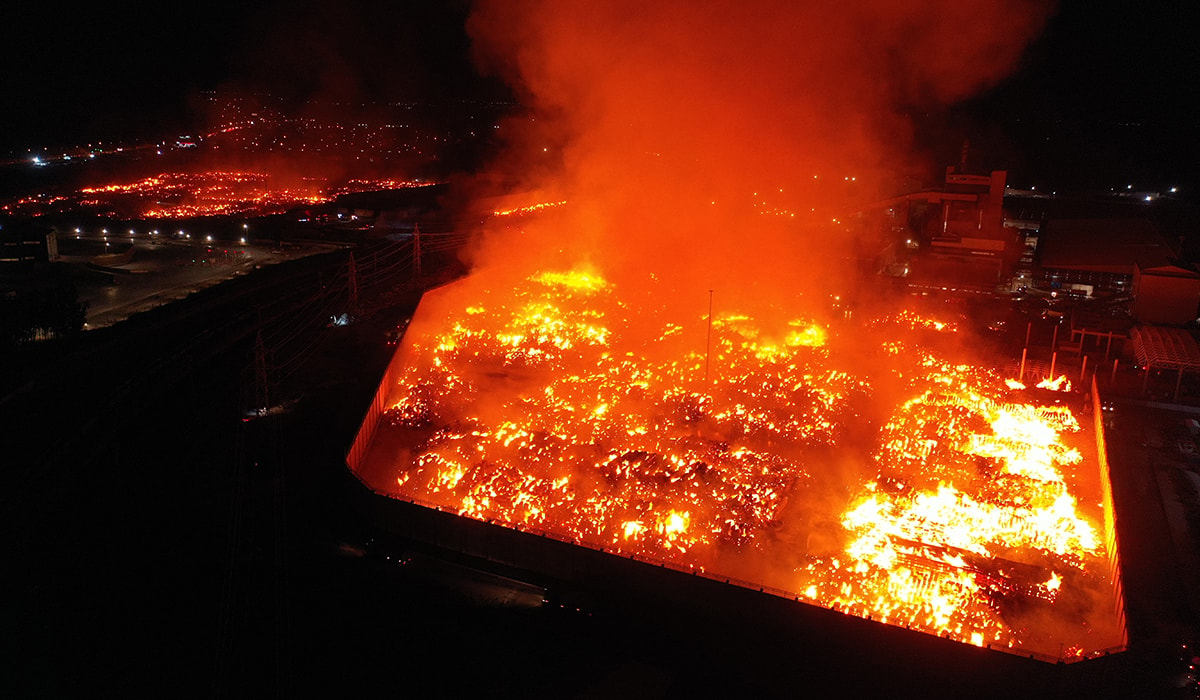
{"x": 352, "y": 284}
{"x": 261, "y": 393}
{"x": 416, "y": 250}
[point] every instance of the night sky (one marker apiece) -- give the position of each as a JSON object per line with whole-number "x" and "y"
{"x": 122, "y": 70}
{"x": 1105, "y": 89}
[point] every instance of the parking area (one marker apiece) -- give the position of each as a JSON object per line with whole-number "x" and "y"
{"x": 116, "y": 284}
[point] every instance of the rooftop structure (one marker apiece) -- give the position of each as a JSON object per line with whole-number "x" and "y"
{"x": 951, "y": 236}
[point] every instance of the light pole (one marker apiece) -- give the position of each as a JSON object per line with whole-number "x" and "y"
{"x": 708, "y": 340}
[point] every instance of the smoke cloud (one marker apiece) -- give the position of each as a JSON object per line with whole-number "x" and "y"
{"x": 720, "y": 147}
{"x": 720, "y": 144}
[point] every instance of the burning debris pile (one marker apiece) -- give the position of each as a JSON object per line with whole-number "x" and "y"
{"x": 180, "y": 195}
{"x": 971, "y": 522}
{"x": 575, "y": 407}
{"x": 861, "y": 462}
{"x": 532, "y": 412}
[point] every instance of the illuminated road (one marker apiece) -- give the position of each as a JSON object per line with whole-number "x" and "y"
{"x": 161, "y": 271}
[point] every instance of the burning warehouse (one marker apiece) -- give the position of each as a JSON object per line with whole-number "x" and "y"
{"x": 895, "y": 483}
{"x": 679, "y": 365}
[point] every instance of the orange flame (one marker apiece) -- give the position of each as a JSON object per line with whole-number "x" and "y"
{"x": 548, "y": 408}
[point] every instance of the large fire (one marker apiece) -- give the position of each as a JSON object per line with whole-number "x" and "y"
{"x": 722, "y": 444}
{"x": 180, "y": 195}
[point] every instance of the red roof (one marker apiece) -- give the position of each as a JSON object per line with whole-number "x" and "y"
{"x": 1103, "y": 245}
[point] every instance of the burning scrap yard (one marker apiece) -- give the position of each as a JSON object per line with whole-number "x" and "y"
{"x": 686, "y": 348}
{"x": 688, "y": 363}
{"x": 203, "y": 193}
{"x": 887, "y": 480}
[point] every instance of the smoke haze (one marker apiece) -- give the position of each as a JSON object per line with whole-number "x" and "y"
{"x": 720, "y": 144}
{"x": 799, "y": 442}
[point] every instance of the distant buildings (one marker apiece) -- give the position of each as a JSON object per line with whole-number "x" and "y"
{"x": 37, "y": 301}
{"x": 1098, "y": 256}
{"x": 1121, "y": 259}
{"x": 949, "y": 237}
{"x": 974, "y": 234}
{"x": 24, "y": 247}
{"x": 1166, "y": 294}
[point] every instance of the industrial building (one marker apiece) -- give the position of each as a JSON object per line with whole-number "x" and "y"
{"x": 380, "y": 458}
{"x": 954, "y": 236}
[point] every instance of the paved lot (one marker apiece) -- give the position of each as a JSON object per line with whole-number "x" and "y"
{"x": 160, "y": 271}
{"x": 1156, "y": 504}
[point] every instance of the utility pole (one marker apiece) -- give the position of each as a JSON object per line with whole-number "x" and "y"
{"x": 416, "y": 250}
{"x": 352, "y": 284}
{"x": 261, "y": 393}
{"x": 708, "y": 340}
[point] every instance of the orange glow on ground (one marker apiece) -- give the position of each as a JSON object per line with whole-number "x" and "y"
{"x": 197, "y": 194}
{"x": 891, "y": 482}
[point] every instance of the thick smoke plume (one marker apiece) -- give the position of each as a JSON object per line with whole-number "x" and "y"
{"x": 723, "y": 142}
{"x": 845, "y": 459}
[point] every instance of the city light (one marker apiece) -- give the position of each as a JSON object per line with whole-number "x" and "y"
{"x": 203, "y": 193}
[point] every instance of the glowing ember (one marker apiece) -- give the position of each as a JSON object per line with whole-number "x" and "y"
{"x": 177, "y": 195}
{"x": 554, "y": 407}
{"x": 910, "y": 320}
{"x": 207, "y": 193}
{"x": 529, "y": 209}
{"x": 1059, "y": 384}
